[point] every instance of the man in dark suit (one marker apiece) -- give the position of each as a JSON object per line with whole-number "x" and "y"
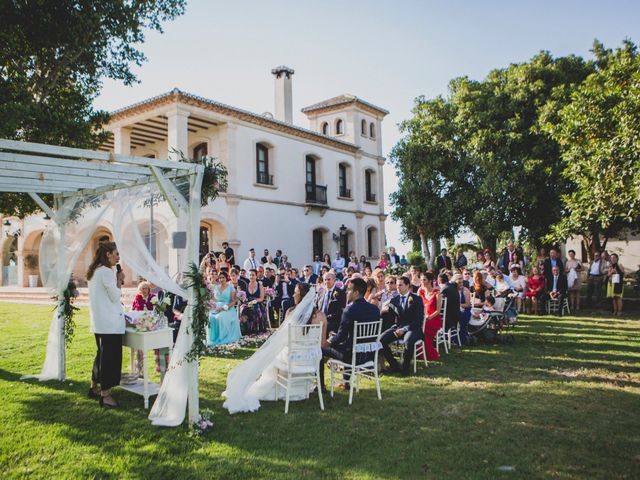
{"x": 269, "y": 278}
{"x": 264, "y": 260}
{"x": 558, "y": 287}
{"x": 308, "y": 276}
{"x": 229, "y": 253}
{"x": 443, "y": 261}
{"x": 331, "y": 302}
{"x": 554, "y": 260}
{"x": 410, "y": 314}
{"x": 359, "y": 310}
{"x": 450, "y": 291}
{"x": 394, "y": 258}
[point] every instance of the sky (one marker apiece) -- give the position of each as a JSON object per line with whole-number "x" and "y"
{"x": 387, "y": 52}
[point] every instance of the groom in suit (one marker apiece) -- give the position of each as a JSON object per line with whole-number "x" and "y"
{"x": 359, "y": 310}
{"x": 410, "y": 313}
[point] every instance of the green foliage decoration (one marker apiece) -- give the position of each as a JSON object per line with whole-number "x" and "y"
{"x": 200, "y": 312}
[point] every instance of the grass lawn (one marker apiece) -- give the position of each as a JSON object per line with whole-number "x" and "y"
{"x": 563, "y": 401}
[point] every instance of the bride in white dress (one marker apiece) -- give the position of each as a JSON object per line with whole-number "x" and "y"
{"x": 255, "y": 378}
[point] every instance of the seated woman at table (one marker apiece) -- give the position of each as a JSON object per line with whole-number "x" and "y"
{"x": 224, "y": 325}
{"x": 142, "y": 302}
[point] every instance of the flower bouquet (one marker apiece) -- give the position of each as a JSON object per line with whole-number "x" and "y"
{"x": 144, "y": 321}
{"x": 159, "y": 307}
{"x": 241, "y": 295}
{"x": 205, "y": 423}
{"x": 269, "y": 293}
{"x": 339, "y": 284}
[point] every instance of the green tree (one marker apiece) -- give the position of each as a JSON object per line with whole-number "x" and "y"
{"x": 53, "y": 59}
{"x": 516, "y": 166}
{"x": 426, "y": 164}
{"x": 599, "y": 132}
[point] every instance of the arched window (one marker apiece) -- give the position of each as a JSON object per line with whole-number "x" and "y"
{"x": 262, "y": 165}
{"x": 363, "y": 127}
{"x": 339, "y": 127}
{"x": 200, "y": 151}
{"x": 325, "y": 128}
{"x": 372, "y": 130}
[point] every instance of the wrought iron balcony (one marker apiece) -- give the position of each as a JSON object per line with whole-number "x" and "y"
{"x": 370, "y": 197}
{"x": 264, "y": 178}
{"x": 316, "y": 194}
{"x": 345, "y": 192}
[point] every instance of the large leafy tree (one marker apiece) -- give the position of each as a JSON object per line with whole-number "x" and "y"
{"x": 427, "y": 166}
{"x": 53, "y": 59}
{"x": 516, "y": 170}
{"x": 599, "y": 132}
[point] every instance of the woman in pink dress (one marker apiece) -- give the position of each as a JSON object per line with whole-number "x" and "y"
{"x": 432, "y": 303}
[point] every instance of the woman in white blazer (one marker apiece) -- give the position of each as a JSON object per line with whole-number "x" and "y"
{"x": 107, "y": 322}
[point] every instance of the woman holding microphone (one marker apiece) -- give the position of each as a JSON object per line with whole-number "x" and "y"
{"x": 107, "y": 322}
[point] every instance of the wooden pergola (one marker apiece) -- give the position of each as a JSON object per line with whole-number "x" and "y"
{"x": 65, "y": 172}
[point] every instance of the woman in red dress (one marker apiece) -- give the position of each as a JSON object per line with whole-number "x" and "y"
{"x": 432, "y": 303}
{"x": 535, "y": 289}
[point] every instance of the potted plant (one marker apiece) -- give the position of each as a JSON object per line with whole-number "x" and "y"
{"x": 31, "y": 262}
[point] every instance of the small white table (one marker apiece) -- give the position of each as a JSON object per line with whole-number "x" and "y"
{"x": 146, "y": 341}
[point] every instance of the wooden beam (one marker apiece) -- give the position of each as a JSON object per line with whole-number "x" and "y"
{"x": 45, "y": 208}
{"x": 49, "y": 162}
{"x": 175, "y": 199}
{"x": 8, "y": 166}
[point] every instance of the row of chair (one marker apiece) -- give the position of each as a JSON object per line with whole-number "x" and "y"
{"x": 303, "y": 340}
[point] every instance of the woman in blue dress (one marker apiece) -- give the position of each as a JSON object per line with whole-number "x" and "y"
{"x": 224, "y": 326}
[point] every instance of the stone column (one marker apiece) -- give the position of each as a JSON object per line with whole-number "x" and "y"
{"x": 380, "y": 194}
{"x": 232, "y": 220}
{"x": 122, "y": 141}
{"x": 382, "y": 237}
{"x": 360, "y": 247}
{"x": 177, "y": 133}
{"x": 228, "y": 155}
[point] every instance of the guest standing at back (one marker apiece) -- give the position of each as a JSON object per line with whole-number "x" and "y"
{"x": 107, "y": 322}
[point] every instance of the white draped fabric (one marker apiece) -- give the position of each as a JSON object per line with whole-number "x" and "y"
{"x": 70, "y": 230}
{"x": 254, "y": 379}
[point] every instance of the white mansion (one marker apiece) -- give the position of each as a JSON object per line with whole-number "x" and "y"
{"x": 305, "y": 191}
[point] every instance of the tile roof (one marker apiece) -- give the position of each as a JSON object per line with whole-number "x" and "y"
{"x": 343, "y": 100}
{"x": 177, "y": 95}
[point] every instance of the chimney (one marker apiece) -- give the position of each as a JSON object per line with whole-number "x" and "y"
{"x": 284, "y": 102}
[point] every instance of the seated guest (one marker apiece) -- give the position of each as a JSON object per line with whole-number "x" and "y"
{"x": 432, "y": 304}
{"x": 479, "y": 265}
{"x": 253, "y": 314}
{"x": 142, "y": 300}
{"x": 269, "y": 278}
{"x": 461, "y": 260}
{"x": 384, "y": 262}
{"x": 308, "y": 276}
{"x": 414, "y": 272}
{"x": 410, "y": 312}
{"x": 479, "y": 316}
{"x": 326, "y": 261}
{"x": 284, "y": 291}
{"x": 466, "y": 278}
{"x": 480, "y": 287}
{"x": 353, "y": 262}
{"x": 269, "y": 263}
{"x": 338, "y": 264}
{"x": 390, "y": 291}
{"x": 519, "y": 285}
{"x": 502, "y": 290}
{"x": 223, "y": 320}
{"x": 465, "y": 307}
{"x": 449, "y": 291}
{"x": 237, "y": 282}
{"x": 284, "y": 262}
{"x": 363, "y": 263}
{"x": 222, "y": 263}
{"x": 557, "y": 286}
{"x": 403, "y": 260}
{"x": 368, "y": 273}
{"x": 372, "y": 291}
{"x": 339, "y": 345}
{"x": 488, "y": 261}
{"x": 554, "y": 260}
{"x": 535, "y": 290}
{"x": 517, "y": 262}
{"x": 332, "y": 301}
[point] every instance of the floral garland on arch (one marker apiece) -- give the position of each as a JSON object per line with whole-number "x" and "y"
{"x": 67, "y": 309}
{"x": 200, "y": 319}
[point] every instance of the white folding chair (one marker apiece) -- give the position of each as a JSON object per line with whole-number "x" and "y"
{"x": 556, "y": 307}
{"x": 420, "y": 350}
{"x": 366, "y": 338}
{"x": 441, "y": 335}
{"x": 303, "y": 361}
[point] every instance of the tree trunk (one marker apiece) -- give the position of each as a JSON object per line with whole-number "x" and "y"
{"x": 424, "y": 248}
{"x": 488, "y": 242}
{"x": 435, "y": 246}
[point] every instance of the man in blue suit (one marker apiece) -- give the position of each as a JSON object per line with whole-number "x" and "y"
{"x": 409, "y": 311}
{"x": 358, "y": 310}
